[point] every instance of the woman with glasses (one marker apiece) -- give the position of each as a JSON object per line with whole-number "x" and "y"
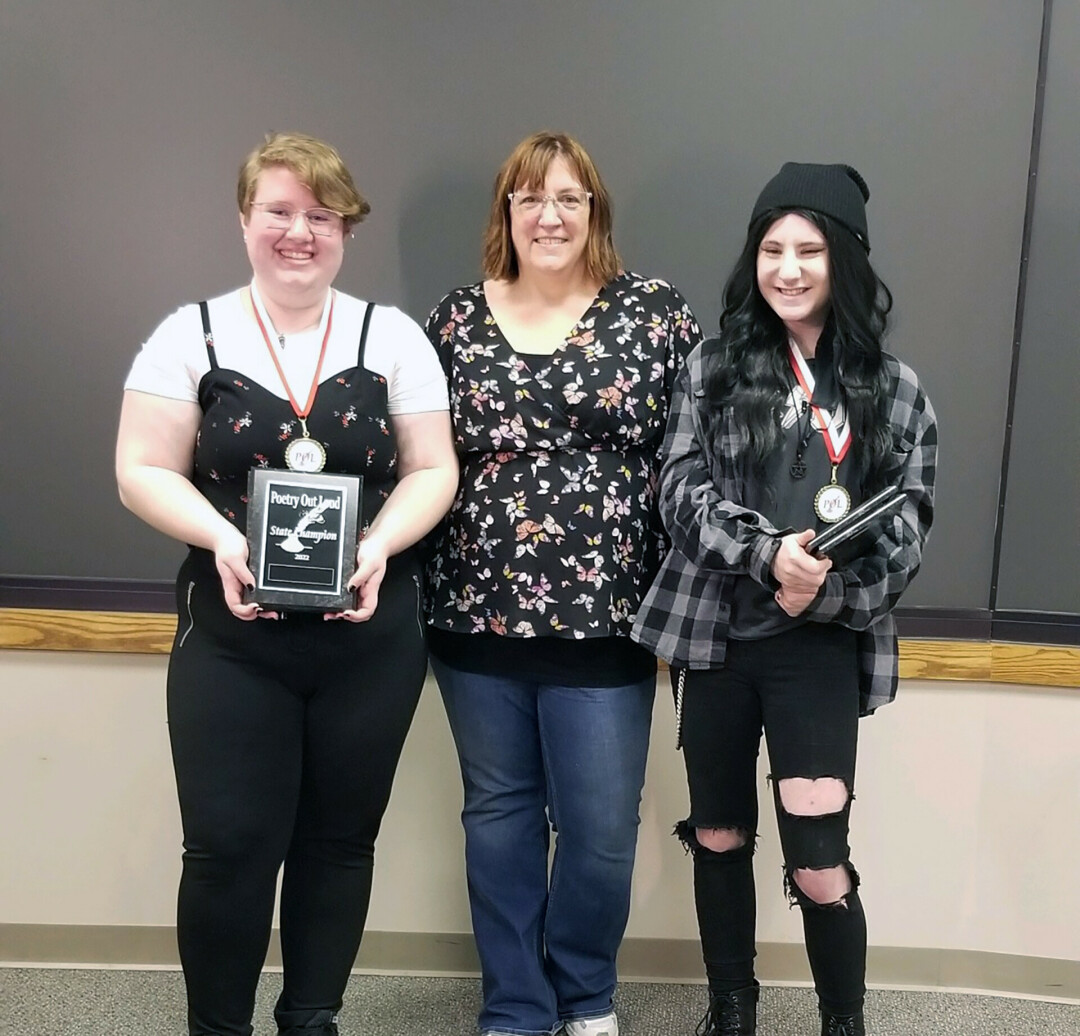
{"x": 787, "y": 420}
{"x": 560, "y": 366}
{"x": 286, "y": 728}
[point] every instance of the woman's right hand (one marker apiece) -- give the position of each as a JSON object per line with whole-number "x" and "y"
{"x": 796, "y": 571}
{"x": 231, "y": 556}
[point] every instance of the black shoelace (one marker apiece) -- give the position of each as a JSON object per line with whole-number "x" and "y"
{"x": 722, "y": 1017}
{"x": 846, "y": 1026}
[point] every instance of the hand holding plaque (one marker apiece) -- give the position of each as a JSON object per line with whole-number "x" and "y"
{"x": 302, "y": 533}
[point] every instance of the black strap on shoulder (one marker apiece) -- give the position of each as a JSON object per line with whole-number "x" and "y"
{"x": 208, "y": 335}
{"x": 363, "y": 334}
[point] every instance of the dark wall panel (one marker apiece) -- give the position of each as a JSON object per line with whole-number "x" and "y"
{"x": 124, "y": 122}
{"x": 1040, "y": 555}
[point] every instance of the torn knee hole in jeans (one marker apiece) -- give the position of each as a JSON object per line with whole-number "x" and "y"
{"x": 798, "y": 896}
{"x": 732, "y": 839}
{"x": 812, "y": 797}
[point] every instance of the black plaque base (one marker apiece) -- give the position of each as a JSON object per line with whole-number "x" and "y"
{"x": 302, "y": 531}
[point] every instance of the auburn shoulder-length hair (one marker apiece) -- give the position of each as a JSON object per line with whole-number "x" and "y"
{"x": 526, "y": 169}
{"x": 315, "y": 164}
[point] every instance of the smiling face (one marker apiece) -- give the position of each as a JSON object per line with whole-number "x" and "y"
{"x": 292, "y": 266}
{"x": 793, "y": 274}
{"x": 551, "y": 241}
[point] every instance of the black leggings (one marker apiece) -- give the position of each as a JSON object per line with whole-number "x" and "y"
{"x": 802, "y": 687}
{"x": 285, "y": 737}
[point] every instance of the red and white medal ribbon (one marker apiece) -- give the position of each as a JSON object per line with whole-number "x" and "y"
{"x": 832, "y": 501}
{"x": 304, "y": 454}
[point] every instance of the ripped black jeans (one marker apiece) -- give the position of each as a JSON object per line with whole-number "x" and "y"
{"x": 802, "y": 688}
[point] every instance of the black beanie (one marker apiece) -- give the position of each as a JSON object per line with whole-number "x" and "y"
{"x": 837, "y": 191}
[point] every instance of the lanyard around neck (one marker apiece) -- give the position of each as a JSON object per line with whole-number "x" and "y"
{"x": 837, "y": 442}
{"x": 300, "y": 413}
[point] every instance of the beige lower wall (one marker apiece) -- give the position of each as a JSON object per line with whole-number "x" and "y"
{"x": 965, "y": 829}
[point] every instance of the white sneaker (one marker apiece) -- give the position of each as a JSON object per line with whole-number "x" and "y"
{"x": 608, "y": 1025}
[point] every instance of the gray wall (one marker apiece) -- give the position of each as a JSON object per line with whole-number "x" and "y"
{"x": 124, "y": 122}
{"x": 1040, "y": 557}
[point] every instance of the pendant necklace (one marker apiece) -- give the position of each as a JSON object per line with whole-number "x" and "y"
{"x": 798, "y": 467}
{"x": 305, "y": 453}
{"x": 832, "y": 501}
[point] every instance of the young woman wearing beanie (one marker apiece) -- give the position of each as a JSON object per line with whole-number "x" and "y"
{"x": 780, "y": 425}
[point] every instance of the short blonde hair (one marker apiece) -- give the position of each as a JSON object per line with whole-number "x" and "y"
{"x": 527, "y": 167}
{"x": 316, "y": 164}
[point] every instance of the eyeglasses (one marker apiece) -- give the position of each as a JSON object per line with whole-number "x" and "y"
{"x": 323, "y": 222}
{"x": 531, "y": 202}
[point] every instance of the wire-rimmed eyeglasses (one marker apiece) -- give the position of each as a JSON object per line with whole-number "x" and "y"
{"x": 323, "y": 222}
{"x": 530, "y": 202}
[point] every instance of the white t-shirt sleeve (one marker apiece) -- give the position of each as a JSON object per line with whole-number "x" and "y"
{"x": 398, "y": 349}
{"x": 173, "y": 359}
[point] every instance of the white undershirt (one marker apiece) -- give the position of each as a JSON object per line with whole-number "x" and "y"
{"x": 174, "y": 359}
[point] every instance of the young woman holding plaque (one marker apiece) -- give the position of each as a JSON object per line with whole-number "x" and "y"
{"x": 286, "y": 729}
{"x": 560, "y": 367}
{"x": 785, "y": 421}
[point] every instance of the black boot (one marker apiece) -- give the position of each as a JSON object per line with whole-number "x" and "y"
{"x": 842, "y": 1024}
{"x": 309, "y": 1023}
{"x": 731, "y": 1014}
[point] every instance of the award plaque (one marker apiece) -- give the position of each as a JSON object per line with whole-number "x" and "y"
{"x": 841, "y": 542}
{"x": 302, "y": 535}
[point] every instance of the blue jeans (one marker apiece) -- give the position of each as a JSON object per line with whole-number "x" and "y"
{"x": 536, "y": 758}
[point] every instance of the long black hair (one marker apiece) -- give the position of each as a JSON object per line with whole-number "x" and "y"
{"x": 752, "y": 373}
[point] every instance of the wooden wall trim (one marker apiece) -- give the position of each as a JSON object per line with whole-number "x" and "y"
{"x": 946, "y": 660}
{"x": 1056, "y": 666}
{"x": 47, "y": 629}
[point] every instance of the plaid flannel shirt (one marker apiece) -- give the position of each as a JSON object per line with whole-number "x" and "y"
{"x": 685, "y": 616}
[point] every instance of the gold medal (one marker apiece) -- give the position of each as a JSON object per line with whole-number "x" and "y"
{"x": 832, "y": 502}
{"x": 305, "y": 454}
